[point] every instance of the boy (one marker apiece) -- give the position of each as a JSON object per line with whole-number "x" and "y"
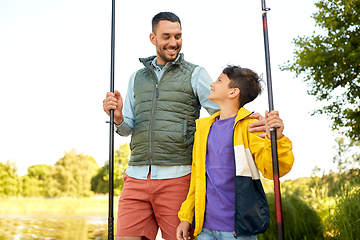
{"x": 225, "y": 192}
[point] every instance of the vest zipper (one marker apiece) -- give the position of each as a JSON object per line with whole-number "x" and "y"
{"x": 156, "y": 95}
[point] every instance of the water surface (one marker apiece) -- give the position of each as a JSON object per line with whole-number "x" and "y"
{"x": 59, "y": 227}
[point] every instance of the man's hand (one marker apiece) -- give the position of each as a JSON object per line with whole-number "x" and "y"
{"x": 114, "y": 101}
{"x": 182, "y": 231}
{"x": 258, "y": 126}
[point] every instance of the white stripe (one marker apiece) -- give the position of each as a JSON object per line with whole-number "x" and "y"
{"x": 244, "y": 163}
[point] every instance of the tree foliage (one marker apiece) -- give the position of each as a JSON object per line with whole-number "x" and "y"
{"x": 33, "y": 183}
{"x": 9, "y": 182}
{"x": 100, "y": 182}
{"x": 331, "y": 63}
{"x": 74, "y": 175}
{"x": 71, "y": 176}
{"x": 348, "y": 156}
{"x": 38, "y": 171}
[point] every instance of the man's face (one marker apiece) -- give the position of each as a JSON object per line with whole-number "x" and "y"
{"x": 168, "y": 41}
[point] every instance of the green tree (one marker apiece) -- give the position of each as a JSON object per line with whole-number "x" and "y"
{"x": 53, "y": 183}
{"x": 32, "y": 187}
{"x": 100, "y": 182}
{"x": 9, "y": 180}
{"x": 71, "y": 175}
{"x": 38, "y": 171}
{"x": 33, "y": 182}
{"x": 331, "y": 63}
{"x": 347, "y": 155}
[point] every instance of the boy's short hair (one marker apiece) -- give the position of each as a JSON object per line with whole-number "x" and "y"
{"x": 169, "y": 16}
{"x": 246, "y": 80}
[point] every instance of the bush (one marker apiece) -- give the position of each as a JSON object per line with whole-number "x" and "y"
{"x": 299, "y": 220}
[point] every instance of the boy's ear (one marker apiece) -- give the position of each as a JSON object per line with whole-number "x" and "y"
{"x": 152, "y": 38}
{"x": 235, "y": 92}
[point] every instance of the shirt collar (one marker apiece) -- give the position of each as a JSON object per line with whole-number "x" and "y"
{"x": 155, "y": 65}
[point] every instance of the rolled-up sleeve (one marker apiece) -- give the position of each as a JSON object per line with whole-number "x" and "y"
{"x": 200, "y": 82}
{"x": 126, "y": 127}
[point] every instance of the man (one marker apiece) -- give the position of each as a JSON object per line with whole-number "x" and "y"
{"x": 162, "y": 103}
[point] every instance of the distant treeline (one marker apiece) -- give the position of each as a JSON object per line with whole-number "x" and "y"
{"x": 74, "y": 175}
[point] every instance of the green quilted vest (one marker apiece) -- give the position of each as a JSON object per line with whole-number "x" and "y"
{"x": 165, "y": 114}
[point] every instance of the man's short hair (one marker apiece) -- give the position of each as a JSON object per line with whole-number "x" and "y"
{"x": 169, "y": 16}
{"x": 246, "y": 80}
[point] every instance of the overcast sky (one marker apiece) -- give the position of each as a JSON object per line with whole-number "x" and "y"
{"x": 55, "y": 70}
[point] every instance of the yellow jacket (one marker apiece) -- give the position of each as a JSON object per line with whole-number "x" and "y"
{"x": 252, "y": 154}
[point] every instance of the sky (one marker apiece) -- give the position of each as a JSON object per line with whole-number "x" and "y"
{"x": 55, "y": 70}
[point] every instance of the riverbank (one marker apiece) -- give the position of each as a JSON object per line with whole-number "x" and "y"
{"x": 96, "y": 205}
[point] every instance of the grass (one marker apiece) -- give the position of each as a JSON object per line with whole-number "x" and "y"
{"x": 345, "y": 220}
{"x": 97, "y": 205}
{"x": 300, "y": 222}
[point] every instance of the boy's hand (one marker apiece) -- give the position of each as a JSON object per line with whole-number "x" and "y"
{"x": 182, "y": 231}
{"x": 258, "y": 126}
{"x": 114, "y": 101}
{"x": 272, "y": 120}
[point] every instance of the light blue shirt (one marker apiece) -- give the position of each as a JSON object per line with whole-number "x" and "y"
{"x": 200, "y": 82}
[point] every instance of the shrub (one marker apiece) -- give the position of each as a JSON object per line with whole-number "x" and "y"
{"x": 299, "y": 220}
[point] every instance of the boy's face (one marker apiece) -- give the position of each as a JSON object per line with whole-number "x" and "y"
{"x": 220, "y": 89}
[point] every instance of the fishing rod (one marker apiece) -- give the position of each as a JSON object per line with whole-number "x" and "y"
{"x": 111, "y": 144}
{"x": 274, "y": 152}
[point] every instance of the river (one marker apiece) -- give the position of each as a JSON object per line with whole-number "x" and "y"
{"x": 57, "y": 227}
